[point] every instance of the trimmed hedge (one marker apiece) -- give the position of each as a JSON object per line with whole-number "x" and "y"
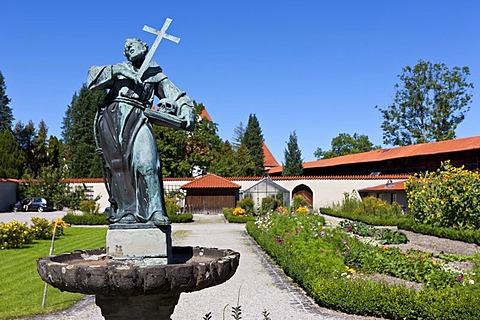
{"x": 180, "y": 217}
{"x": 407, "y": 222}
{"x": 86, "y": 219}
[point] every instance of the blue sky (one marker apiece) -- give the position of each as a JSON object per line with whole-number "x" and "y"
{"x": 315, "y": 67}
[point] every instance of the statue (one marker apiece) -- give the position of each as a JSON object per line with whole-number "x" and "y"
{"x": 124, "y": 130}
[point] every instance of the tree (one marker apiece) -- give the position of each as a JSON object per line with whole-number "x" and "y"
{"x": 25, "y": 135}
{"x": 11, "y": 156}
{"x": 6, "y": 116}
{"x": 77, "y": 131}
{"x": 293, "y": 157}
{"x": 238, "y": 133}
{"x": 181, "y": 152}
{"x": 253, "y": 140}
{"x": 231, "y": 163}
{"x": 428, "y": 106}
{"x": 344, "y": 144}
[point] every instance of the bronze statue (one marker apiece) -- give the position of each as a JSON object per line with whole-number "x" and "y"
{"x": 124, "y": 131}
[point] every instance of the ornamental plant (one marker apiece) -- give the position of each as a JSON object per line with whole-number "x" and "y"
{"x": 448, "y": 197}
{"x": 239, "y": 212}
{"x": 14, "y": 235}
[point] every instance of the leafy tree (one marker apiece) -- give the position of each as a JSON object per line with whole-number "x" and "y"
{"x": 11, "y": 156}
{"x": 253, "y": 140}
{"x": 77, "y": 131}
{"x": 54, "y": 153}
{"x": 6, "y": 116}
{"x": 181, "y": 152}
{"x": 428, "y": 106}
{"x": 39, "y": 146}
{"x": 344, "y": 144}
{"x": 293, "y": 157}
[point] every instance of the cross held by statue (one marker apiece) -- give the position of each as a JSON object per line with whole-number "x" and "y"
{"x": 162, "y": 33}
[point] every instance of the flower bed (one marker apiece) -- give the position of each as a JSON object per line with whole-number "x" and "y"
{"x": 329, "y": 264}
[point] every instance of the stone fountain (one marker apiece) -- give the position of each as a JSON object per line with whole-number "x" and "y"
{"x": 139, "y": 275}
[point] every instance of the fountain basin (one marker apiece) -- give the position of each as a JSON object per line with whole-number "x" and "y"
{"x": 94, "y": 272}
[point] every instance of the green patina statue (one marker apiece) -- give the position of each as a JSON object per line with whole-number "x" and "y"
{"x": 124, "y": 130}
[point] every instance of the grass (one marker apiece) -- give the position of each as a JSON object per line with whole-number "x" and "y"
{"x": 21, "y": 288}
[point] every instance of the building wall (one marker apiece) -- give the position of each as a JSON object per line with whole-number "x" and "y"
{"x": 8, "y": 195}
{"x": 325, "y": 191}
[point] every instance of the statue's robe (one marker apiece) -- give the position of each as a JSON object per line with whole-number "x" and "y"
{"x": 128, "y": 143}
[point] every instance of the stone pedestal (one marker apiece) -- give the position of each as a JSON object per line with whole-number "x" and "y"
{"x": 154, "y": 307}
{"x": 142, "y": 243}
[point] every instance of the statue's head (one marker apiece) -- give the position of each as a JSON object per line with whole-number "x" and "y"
{"x": 135, "y": 49}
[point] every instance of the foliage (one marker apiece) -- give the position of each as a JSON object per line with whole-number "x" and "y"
{"x": 465, "y": 235}
{"x": 298, "y": 201}
{"x": 327, "y": 262}
{"x": 367, "y": 206}
{"x": 232, "y": 163}
{"x": 181, "y": 152}
{"x": 11, "y": 156}
{"x": 16, "y": 235}
{"x": 238, "y": 133}
{"x": 428, "y": 106}
{"x": 448, "y": 197}
{"x": 6, "y": 115}
{"x": 174, "y": 210}
{"x": 382, "y": 235}
{"x": 42, "y": 229}
{"x": 50, "y": 185}
{"x": 344, "y": 144}
{"x": 86, "y": 219}
{"x": 78, "y": 136}
{"x": 293, "y": 157}
{"x": 253, "y": 140}
{"x": 237, "y": 215}
{"x": 89, "y": 206}
{"x": 21, "y": 286}
{"x": 247, "y": 204}
{"x": 269, "y": 204}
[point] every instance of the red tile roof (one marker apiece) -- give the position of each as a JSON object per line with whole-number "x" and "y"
{"x": 422, "y": 149}
{"x": 211, "y": 181}
{"x": 270, "y": 160}
{"x": 205, "y": 115}
{"x": 9, "y": 180}
{"x": 396, "y": 186}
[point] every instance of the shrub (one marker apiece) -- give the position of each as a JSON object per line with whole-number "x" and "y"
{"x": 448, "y": 197}
{"x": 42, "y": 229}
{"x": 14, "y": 235}
{"x": 181, "y": 217}
{"x": 270, "y": 204}
{"x": 298, "y": 201}
{"x": 237, "y": 215}
{"x": 88, "y": 206}
{"x": 247, "y": 204}
{"x": 86, "y": 219}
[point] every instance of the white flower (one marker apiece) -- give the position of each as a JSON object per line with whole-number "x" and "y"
{"x": 471, "y": 281}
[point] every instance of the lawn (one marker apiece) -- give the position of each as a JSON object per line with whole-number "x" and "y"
{"x": 21, "y": 288}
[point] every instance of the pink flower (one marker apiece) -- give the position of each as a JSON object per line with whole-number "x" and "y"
{"x": 315, "y": 235}
{"x": 322, "y": 234}
{"x": 460, "y": 277}
{"x": 296, "y": 230}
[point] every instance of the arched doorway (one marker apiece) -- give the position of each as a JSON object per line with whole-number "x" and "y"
{"x": 305, "y": 192}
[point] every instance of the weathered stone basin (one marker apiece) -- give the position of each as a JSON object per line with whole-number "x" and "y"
{"x": 126, "y": 289}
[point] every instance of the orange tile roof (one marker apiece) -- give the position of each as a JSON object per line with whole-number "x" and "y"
{"x": 9, "y": 180}
{"x": 422, "y": 149}
{"x": 329, "y": 177}
{"x": 205, "y": 115}
{"x": 211, "y": 181}
{"x": 396, "y": 186}
{"x": 270, "y": 160}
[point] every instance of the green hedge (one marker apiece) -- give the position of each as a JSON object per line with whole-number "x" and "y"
{"x": 180, "y": 217}
{"x": 311, "y": 261}
{"x": 407, "y": 222}
{"x": 86, "y": 219}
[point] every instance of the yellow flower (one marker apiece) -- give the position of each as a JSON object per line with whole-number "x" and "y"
{"x": 455, "y": 199}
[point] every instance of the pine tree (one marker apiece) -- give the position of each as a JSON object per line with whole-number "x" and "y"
{"x": 238, "y": 134}
{"x": 11, "y": 156}
{"x": 77, "y": 131}
{"x": 25, "y": 135}
{"x": 6, "y": 116}
{"x": 293, "y": 157}
{"x": 253, "y": 140}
